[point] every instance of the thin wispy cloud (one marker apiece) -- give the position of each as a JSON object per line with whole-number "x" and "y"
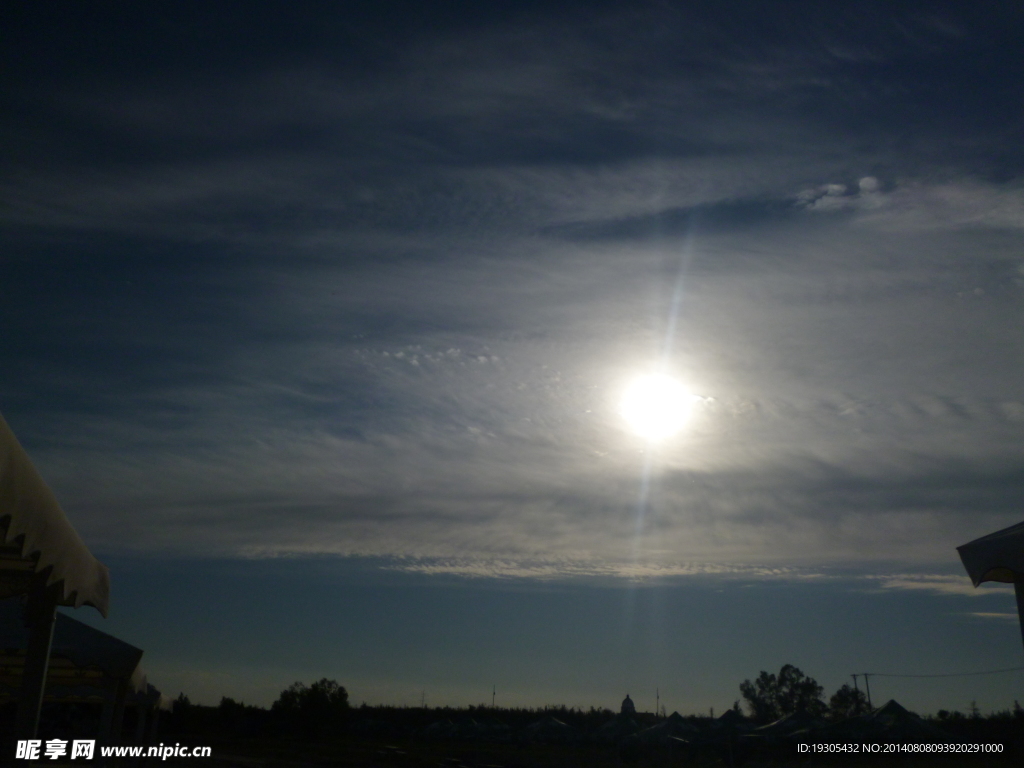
{"x": 941, "y": 584}
{"x": 318, "y": 317}
{"x": 389, "y": 310}
{"x": 499, "y": 421}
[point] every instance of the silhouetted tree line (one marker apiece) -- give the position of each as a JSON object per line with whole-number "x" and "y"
{"x": 311, "y": 712}
{"x": 771, "y": 697}
{"x": 998, "y": 727}
{"x": 321, "y": 711}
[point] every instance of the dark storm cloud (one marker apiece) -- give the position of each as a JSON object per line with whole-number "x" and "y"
{"x": 370, "y": 283}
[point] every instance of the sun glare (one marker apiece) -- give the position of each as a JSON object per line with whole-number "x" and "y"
{"x": 656, "y": 406}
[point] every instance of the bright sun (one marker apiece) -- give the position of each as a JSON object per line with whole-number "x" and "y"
{"x": 656, "y": 406}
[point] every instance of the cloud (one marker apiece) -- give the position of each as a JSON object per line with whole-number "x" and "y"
{"x": 954, "y": 205}
{"x": 943, "y": 584}
{"x": 918, "y": 206}
{"x": 543, "y": 119}
{"x": 440, "y": 483}
{"x": 461, "y": 402}
{"x": 836, "y": 197}
{"x": 569, "y": 569}
{"x": 307, "y": 308}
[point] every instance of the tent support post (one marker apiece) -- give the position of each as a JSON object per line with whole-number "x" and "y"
{"x": 117, "y": 718}
{"x": 154, "y": 724}
{"x": 140, "y": 722}
{"x": 106, "y": 718}
{"x": 1018, "y": 587}
{"x": 40, "y": 618}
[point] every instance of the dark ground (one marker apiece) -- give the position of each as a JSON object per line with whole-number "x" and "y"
{"x": 360, "y": 753}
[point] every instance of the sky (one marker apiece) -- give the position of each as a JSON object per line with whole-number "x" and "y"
{"x": 318, "y": 320}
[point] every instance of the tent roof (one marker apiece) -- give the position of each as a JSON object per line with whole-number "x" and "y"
{"x": 996, "y": 557}
{"x": 79, "y": 643}
{"x": 673, "y": 725}
{"x": 794, "y": 721}
{"x": 38, "y": 535}
{"x": 890, "y": 722}
{"x": 732, "y": 717}
{"x": 897, "y": 721}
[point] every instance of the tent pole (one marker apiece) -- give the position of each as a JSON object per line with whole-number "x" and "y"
{"x": 154, "y": 723}
{"x": 117, "y": 717}
{"x": 40, "y": 618}
{"x": 140, "y": 722}
{"x": 107, "y": 715}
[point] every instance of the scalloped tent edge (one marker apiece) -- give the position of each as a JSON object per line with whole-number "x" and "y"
{"x": 43, "y": 558}
{"x": 998, "y": 556}
{"x": 40, "y": 531}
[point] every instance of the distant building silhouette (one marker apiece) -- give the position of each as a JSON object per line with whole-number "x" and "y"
{"x": 627, "y": 707}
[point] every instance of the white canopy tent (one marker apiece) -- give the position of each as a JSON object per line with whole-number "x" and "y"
{"x": 998, "y": 556}
{"x": 44, "y": 559}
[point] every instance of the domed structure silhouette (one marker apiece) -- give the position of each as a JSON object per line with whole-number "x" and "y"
{"x": 627, "y": 707}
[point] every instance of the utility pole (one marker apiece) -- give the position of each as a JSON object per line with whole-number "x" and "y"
{"x": 423, "y": 699}
{"x": 657, "y": 703}
{"x": 493, "y": 690}
{"x": 868, "y": 686}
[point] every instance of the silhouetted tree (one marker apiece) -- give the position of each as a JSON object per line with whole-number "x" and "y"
{"x": 311, "y": 711}
{"x": 771, "y": 697}
{"x": 847, "y": 702}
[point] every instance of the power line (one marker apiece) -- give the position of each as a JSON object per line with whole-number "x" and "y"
{"x": 950, "y": 674}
